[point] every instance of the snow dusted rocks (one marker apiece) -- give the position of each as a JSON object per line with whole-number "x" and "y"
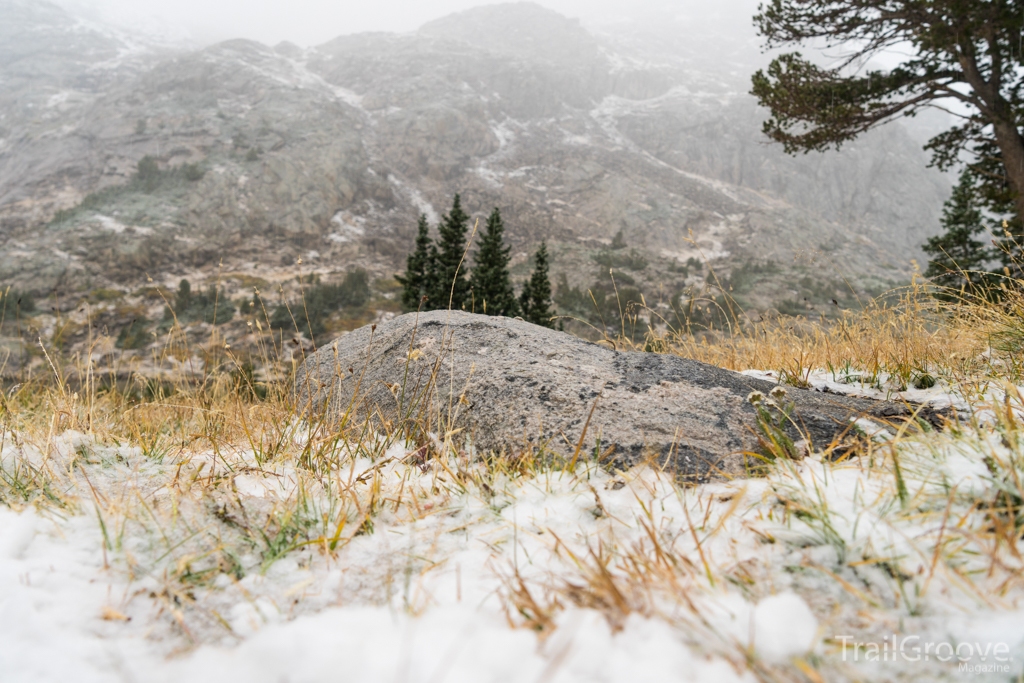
{"x": 508, "y": 385}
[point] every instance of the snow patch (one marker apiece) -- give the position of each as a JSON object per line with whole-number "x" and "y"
{"x": 350, "y": 227}
{"x": 417, "y": 199}
{"x": 112, "y": 224}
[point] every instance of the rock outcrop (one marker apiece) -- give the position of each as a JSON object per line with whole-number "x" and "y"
{"x": 509, "y": 385}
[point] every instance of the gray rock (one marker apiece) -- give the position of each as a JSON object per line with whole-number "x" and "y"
{"x": 510, "y": 385}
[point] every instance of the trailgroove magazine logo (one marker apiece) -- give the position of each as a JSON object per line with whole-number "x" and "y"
{"x": 971, "y": 657}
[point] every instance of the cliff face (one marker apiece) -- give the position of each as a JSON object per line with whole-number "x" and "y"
{"x": 266, "y": 155}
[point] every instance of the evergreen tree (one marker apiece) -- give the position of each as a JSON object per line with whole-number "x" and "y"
{"x": 418, "y": 270}
{"x": 183, "y": 299}
{"x": 958, "y": 259}
{"x": 211, "y": 305}
{"x": 451, "y": 284}
{"x": 536, "y": 297}
{"x": 492, "y": 289}
{"x": 437, "y": 295}
{"x": 947, "y": 46}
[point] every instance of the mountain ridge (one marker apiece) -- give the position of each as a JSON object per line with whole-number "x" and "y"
{"x": 329, "y": 154}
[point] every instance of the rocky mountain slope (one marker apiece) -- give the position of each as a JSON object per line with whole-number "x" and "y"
{"x": 276, "y": 160}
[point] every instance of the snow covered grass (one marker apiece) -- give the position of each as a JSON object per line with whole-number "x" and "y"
{"x": 206, "y": 535}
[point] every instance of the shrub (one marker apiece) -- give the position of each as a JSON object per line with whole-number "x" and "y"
{"x": 15, "y": 302}
{"x": 631, "y": 260}
{"x": 211, "y": 306}
{"x": 134, "y": 335}
{"x": 147, "y": 168}
{"x": 193, "y": 172}
{"x": 319, "y": 302}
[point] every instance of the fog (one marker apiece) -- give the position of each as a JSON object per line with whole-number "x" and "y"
{"x": 310, "y": 22}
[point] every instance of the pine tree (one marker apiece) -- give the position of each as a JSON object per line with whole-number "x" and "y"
{"x": 418, "y": 270}
{"x": 183, "y": 298}
{"x": 958, "y": 259}
{"x": 536, "y": 297}
{"x": 492, "y": 289}
{"x": 525, "y": 298}
{"x": 437, "y": 295}
{"x": 451, "y": 284}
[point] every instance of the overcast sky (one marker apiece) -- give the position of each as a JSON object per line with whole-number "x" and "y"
{"x": 310, "y": 22}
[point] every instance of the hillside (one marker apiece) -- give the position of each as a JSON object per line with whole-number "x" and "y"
{"x": 268, "y": 156}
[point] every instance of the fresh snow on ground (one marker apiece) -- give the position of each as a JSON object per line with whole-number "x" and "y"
{"x": 545, "y": 576}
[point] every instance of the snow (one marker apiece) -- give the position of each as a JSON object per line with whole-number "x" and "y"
{"x": 506, "y": 132}
{"x": 977, "y": 401}
{"x": 110, "y": 224}
{"x": 552, "y": 575}
{"x": 59, "y": 98}
{"x": 55, "y": 595}
{"x": 784, "y": 627}
{"x": 613, "y": 107}
{"x": 348, "y": 227}
{"x": 415, "y": 198}
{"x": 453, "y": 644}
{"x": 287, "y": 72}
{"x": 52, "y": 592}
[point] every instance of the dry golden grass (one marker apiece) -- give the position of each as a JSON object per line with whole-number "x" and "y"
{"x": 905, "y": 335}
{"x": 903, "y": 332}
{"x": 176, "y": 515}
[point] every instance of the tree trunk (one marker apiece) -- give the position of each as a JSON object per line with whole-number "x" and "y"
{"x": 1011, "y": 147}
{"x": 999, "y": 112}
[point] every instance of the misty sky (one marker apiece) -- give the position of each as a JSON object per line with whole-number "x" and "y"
{"x": 310, "y": 22}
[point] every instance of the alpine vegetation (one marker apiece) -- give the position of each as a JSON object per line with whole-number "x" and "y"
{"x": 204, "y": 523}
{"x": 960, "y": 54}
{"x": 961, "y": 262}
{"x": 536, "y": 296}
{"x": 449, "y": 281}
{"x": 435, "y": 273}
{"x": 490, "y": 283}
{"x": 420, "y": 270}
{"x": 210, "y": 306}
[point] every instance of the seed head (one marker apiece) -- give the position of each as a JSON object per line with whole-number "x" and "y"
{"x": 755, "y": 398}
